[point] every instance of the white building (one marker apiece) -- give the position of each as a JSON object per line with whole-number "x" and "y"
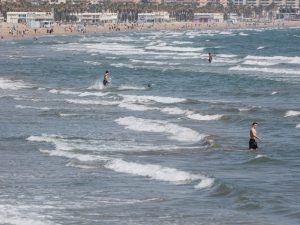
{"x": 33, "y": 19}
{"x": 57, "y": 1}
{"x": 209, "y": 17}
{"x": 97, "y": 17}
{"x": 153, "y": 17}
{"x": 233, "y": 18}
{"x": 290, "y": 3}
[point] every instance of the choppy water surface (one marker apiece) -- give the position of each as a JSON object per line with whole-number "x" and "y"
{"x": 172, "y": 153}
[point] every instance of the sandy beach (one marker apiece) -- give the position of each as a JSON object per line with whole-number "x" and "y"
{"x": 20, "y": 31}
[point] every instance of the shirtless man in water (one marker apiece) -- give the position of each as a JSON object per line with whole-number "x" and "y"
{"x": 106, "y": 78}
{"x": 253, "y": 137}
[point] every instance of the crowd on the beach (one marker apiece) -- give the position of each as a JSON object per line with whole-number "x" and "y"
{"x": 13, "y": 31}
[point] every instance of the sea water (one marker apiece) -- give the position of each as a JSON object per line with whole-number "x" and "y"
{"x": 166, "y": 143}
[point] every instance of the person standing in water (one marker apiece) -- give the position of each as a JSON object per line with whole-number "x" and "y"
{"x": 210, "y": 57}
{"x": 106, "y": 78}
{"x": 253, "y": 137}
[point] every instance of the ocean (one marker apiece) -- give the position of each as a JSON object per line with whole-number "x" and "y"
{"x": 166, "y": 143}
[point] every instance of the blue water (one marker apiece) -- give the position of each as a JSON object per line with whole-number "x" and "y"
{"x": 172, "y": 153}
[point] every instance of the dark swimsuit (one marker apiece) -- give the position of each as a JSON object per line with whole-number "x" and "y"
{"x": 252, "y": 144}
{"x": 105, "y": 82}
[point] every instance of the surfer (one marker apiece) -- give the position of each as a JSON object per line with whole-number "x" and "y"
{"x": 253, "y": 137}
{"x": 106, "y": 78}
{"x": 210, "y": 57}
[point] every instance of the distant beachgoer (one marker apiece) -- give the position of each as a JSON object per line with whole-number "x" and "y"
{"x": 106, "y": 78}
{"x": 210, "y": 57}
{"x": 149, "y": 85}
{"x": 253, "y": 137}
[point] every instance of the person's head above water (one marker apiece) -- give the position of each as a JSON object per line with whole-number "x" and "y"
{"x": 106, "y": 71}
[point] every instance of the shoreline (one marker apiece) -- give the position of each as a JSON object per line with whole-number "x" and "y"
{"x": 19, "y": 31}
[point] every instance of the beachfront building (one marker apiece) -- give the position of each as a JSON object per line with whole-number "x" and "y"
{"x": 126, "y": 1}
{"x": 239, "y": 2}
{"x": 8, "y": 0}
{"x": 288, "y": 3}
{"x": 57, "y": 2}
{"x": 32, "y": 19}
{"x": 209, "y": 17}
{"x": 221, "y": 2}
{"x": 153, "y": 17}
{"x": 233, "y": 18}
{"x": 92, "y": 18}
{"x": 292, "y": 3}
{"x": 196, "y": 2}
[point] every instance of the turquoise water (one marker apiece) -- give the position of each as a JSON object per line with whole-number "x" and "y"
{"x": 172, "y": 153}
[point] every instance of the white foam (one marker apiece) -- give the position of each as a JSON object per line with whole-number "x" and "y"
{"x": 174, "y": 111}
{"x": 154, "y": 62}
{"x": 68, "y": 114}
{"x": 35, "y": 99}
{"x": 174, "y": 131}
{"x": 298, "y": 125}
{"x": 266, "y": 70}
{"x": 43, "y": 138}
{"x": 62, "y": 143}
{"x": 274, "y": 93}
{"x": 275, "y": 59}
{"x": 75, "y": 165}
{"x": 13, "y": 84}
{"x": 78, "y": 156}
{"x": 18, "y": 214}
{"x": 91, "y": 102}
{"x": 244, "y": 109}
{"x": 226, "y": 32}
{"x": 190, "y": 114}
{"x": 93, "y": 63}
{"x": 136, "y": 107}
{"x": 156, "y": 172}
{"x": 103, "y": 48}
{"x": 292, "y": 113}
{"x": 260, "y": 156}
{"x": 243, "y": 34}
{"x": 182, "y": 42}
{"x": 259, "y": 63}
{"x": 174, "y": 49}
{"x": 93, "y": 94}
{"x": 32, "y": 107}
{"x": 260, "y": 47}
{"x": 128, "y": 87}
{"x": 147, "y": 99}
{"x": 170, "y": 110}
{"x": 119, "y": 65}
{"x": 205, "y": 183}
{"x": 227, "y": 55}
{"x": 197, "y": 116}
{"x": 65, "y": 147}
{"x": 65, "y": 92}
{"x": 97, "y": 85}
